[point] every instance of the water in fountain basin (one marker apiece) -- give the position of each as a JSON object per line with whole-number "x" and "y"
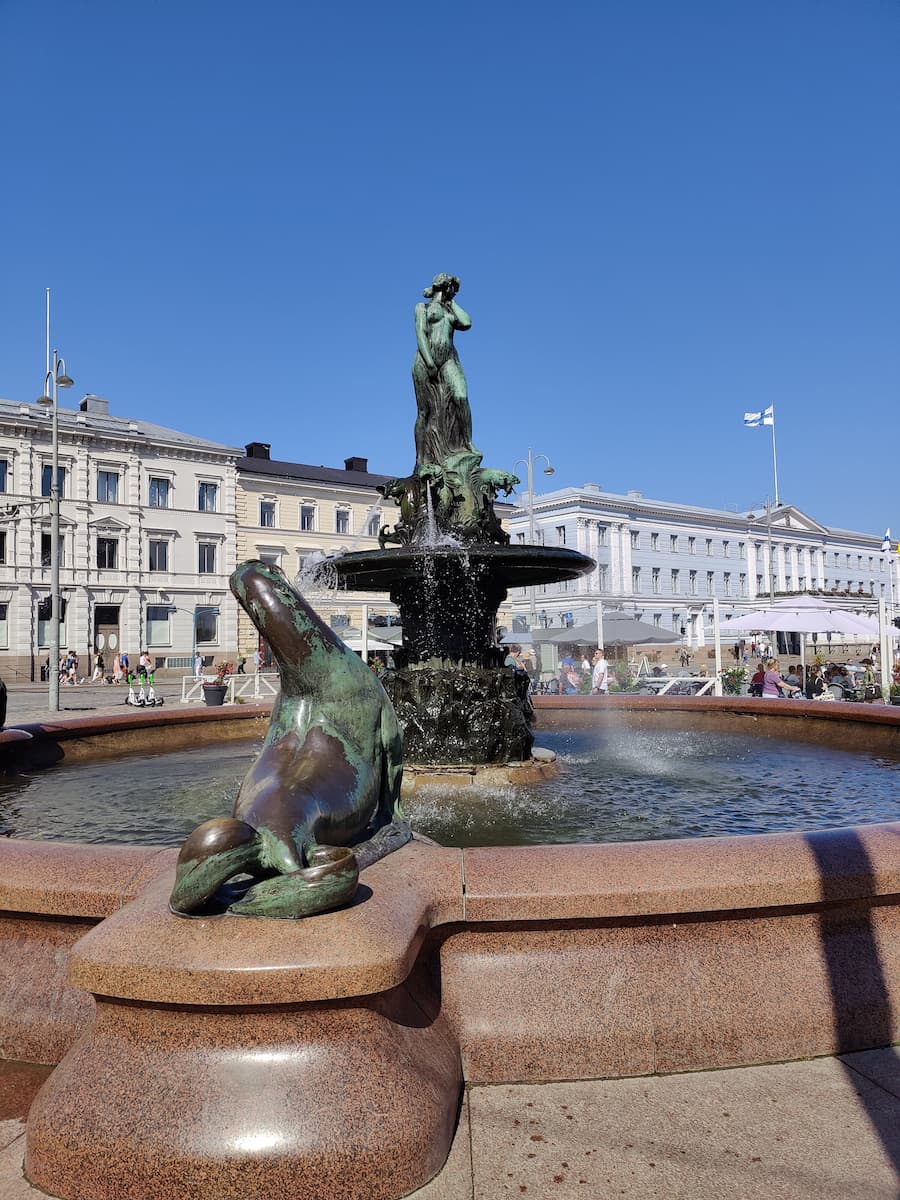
{"x": 614, "y": 785}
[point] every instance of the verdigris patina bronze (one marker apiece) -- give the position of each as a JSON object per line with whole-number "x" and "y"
{"x": 449, "y": 495}
{"x": 322, "y": 799}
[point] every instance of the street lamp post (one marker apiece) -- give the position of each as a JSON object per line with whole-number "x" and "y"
{"x": 528, "y": 463}
{"x": 55, "y": 379}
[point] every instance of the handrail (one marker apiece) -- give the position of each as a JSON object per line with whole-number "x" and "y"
{"x": 258, "y": 685}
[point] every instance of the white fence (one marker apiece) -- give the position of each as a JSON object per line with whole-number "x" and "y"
{"x": 257, "y": 686}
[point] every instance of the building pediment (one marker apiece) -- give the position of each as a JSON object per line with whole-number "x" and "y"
{"x": 108, "y": 525}
{"x": 788, "y": 517}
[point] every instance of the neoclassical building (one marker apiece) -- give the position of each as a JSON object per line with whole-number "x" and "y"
{"x": 147, "y": 533}
{"x": 667, "y": 561}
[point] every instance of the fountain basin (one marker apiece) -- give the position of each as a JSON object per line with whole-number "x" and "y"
{"x": 453, "y": 967}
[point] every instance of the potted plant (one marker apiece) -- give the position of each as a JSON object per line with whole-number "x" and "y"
{"x": 733, "y": 679}
{"x": 895, "y": 693}
{"x": 214, "y": 691}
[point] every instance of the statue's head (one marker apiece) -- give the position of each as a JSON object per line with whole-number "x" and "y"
{"x": 442, "y": 283}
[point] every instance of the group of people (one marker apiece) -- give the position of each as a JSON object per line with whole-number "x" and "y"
{"x": 815, "y": 682}
{"x": 577, "y": 675}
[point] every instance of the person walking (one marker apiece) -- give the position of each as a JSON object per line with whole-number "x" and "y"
{"x": 257, "y": 660}
{"x": 98, "y": 667}
{"x": 117, "y": 669}
{"x": 198, "y": 666}
{"x": 600, "y": 674}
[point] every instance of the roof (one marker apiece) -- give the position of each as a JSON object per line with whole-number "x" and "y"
{"x": 291, "y": 470}
{"x": 75, "y": 420}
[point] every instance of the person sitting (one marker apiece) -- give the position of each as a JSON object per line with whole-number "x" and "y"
{"x": 773, "y": 684}
{"x": 868, "y": 682}
{"x": 757, "y": 680}
{"x": 817, "y": 685}
{"x": 793, "y": 676}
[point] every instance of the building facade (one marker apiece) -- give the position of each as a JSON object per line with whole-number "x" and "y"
{"x": 669, "y": 561}
{"x": 147, "y": 539}
{"x": 293, "y": 514}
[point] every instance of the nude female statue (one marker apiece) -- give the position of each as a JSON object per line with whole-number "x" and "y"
{"x": 444, "y": 421}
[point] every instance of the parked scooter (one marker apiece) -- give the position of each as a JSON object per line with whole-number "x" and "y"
{"x": 152, "y": 699}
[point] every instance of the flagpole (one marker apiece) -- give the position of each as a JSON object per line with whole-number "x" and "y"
{"x": 774, "y": 456}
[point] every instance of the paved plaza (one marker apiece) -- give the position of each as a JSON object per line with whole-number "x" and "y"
{"x": 825, "y": 1129}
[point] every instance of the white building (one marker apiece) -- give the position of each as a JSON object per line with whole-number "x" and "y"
{"x": 148, "y": 539}
{"x": 667, "y": 561}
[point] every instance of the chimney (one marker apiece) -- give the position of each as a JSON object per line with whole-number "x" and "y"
{"x": 94, "y": 404}
{"x": 258, "y": 449}
{"x": 356, "y": 464}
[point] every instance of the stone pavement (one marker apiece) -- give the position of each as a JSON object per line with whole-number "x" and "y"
{"x": 28, "y": 702}
{"x": 828, "y": 1129}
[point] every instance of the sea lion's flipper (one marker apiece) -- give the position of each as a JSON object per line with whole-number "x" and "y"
{"x": 329, "y": 881}
{"x": 387, "y": 839}
{"x": 214, "y": 852}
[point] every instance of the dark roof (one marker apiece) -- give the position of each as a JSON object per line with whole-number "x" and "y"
{"x": 290, "y": 470}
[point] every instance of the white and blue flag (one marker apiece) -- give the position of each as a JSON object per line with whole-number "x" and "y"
{"x": 886, "y": 543}
{"x": 766, "y": 417}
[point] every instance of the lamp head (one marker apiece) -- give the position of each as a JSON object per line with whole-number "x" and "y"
{"x": 45, "y": 400}
{"x": 64, "y": 380}
{"x": 548, "y": 470}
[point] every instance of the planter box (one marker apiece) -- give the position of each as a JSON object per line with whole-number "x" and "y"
{"x": 214, "y": 694}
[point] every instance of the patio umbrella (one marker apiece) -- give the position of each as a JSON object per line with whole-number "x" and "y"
{"x": 352, "y": 639}
{"x": 619, "y": 629}
{"x": 803, "y": 615}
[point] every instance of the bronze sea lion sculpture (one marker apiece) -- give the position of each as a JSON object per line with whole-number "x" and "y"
{"x": 322, "y": 799}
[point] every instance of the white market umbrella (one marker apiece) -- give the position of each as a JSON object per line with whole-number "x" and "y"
{"x": 811, "y": 615}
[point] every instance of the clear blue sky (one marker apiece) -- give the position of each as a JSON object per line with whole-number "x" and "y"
{"x": 662, "y": 214}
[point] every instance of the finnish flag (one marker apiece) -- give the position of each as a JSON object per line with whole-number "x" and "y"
{"x": 886, "y": 543}
{"x": 767, "y": 417}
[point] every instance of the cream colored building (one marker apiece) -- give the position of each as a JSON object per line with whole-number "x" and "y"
{"x": 290, "y": 513}
{"x": 147, "y": 539}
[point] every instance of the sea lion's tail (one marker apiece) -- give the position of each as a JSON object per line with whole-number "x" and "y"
{"x": 329, "y": 881}
{"x": 214, "y": 852}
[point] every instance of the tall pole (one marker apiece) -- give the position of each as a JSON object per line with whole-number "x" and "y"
{"x": 54, "y": 545}
{"x": 774, "y": 458}
{"x": 548, "y": 470}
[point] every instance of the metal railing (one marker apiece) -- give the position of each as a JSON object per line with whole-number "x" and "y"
{"x": 256, "y": 686}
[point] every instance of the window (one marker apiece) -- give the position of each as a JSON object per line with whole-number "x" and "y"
{"x": 307, "y": 516}
{"x": 848, "y": 562}
{"x": 46, "y": 556}
{"x": 107, "y": 553}
{"x": 44, "y": 610}
{"x": 159, "y": 555}
{"x": 692, "y": 545}
{"x": 4, "y": 471}
{"x": 710, "y": 583}
{"x": 601, "y": 535}
{"x": 207, "y": 497}
{"x": 373, "y": 525}
{"x": 47, "y": 475}
{"x": 4, "y": 626}
{"x": 267, "y": 514}
{"x": 159, "y": 492}
{"x": 759, "y": 584}
{"x": 158, "y": 624}
{"x": 271, "y": 560}
{"x": 108, "y": 487}
{"x": 675, "y": 582}
{"x": 635, "y": 539}
{"x": 520, "y": 537}
{"x": 726, "y": 579}
{"x": 2, "y": 546}
{"x": 654, "y": 541}
{"x": 657, "y": 619}
{"x": 788, "y": 583}
{"x": 206, "y": 558}
{"x": 709, "y": 547}
{"x": 859, "y": 562}
{"x": 206, "y": 625}
{"x": 725, "y": 549}
{"x": 342, "y": 520}
{"x": 692, "y": 583}
{"x": 801, "y": 583}
{"x": 673, "y": 543}
{"x": 654, "y": 580}
{"x": 602, "y": 577}
{"x": 743, "y": 584}
{"x": 742, "y": 549}
{"x": 635, "y": 579}
{"x": 560, "y": 535}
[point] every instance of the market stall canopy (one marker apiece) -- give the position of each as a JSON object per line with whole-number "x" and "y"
{"x": 619, "y": 629}
{"x": 352, "y": 639}
{"x": 804, "y": 614}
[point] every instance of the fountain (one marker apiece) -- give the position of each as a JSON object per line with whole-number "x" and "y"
{"x": 451, "y": 568}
